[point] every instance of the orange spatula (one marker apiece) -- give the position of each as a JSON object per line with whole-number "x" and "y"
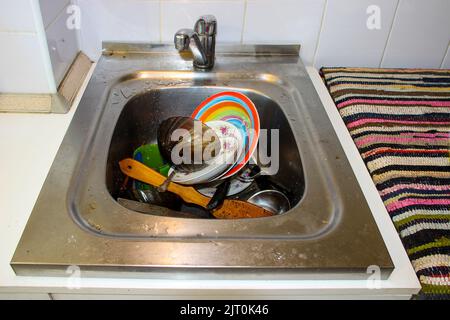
{"x": 231, "y": 209}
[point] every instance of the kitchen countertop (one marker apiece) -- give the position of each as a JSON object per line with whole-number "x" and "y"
{"x": 31, "y": 141}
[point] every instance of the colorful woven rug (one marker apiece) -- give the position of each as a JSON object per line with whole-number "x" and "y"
{"x": 400, "y": 121}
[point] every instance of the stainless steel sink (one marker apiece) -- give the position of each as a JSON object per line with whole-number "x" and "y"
{"x": 329, "y": 232}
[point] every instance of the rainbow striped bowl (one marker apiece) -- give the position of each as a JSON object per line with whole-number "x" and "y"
{"x": 238, "y": 109}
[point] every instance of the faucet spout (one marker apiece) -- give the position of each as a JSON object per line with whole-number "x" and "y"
{"x": 201, "y": 41}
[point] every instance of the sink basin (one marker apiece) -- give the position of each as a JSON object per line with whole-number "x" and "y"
{"x": 137, "y": 116}
{"x": 328, "y": 233}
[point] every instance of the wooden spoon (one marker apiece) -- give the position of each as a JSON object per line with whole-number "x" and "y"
{"x": 231, "y": 209}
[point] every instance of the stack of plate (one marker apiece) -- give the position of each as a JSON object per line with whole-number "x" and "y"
{"x": 232, "y": 146}
{"x": 235, "y": 120}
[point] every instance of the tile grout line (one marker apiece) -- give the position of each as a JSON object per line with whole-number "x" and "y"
{"x": 244, "y": 21}
{"x": 445, "y": 56}
{"x": 389, "y": 34}
{"x": 322, "y": 22}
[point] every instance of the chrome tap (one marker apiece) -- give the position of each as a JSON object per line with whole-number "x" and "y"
{"x": 201, "y": 41}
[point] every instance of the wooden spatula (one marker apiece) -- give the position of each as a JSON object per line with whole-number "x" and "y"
{"x": 231, "y": 209}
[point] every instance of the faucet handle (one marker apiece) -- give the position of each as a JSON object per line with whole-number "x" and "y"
{"x": 182, "y": 39}
{"x": 206, "y": 25}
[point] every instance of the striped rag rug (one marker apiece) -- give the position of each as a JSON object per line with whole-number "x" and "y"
{"x": 400, "y": 121}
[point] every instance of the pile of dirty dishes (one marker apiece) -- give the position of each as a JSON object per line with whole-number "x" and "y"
{"x": 234, "y": 121}
{"x": 210, "y": 150}
{"x": 231, "y": 148}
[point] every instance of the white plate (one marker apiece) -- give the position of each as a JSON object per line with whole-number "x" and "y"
{"x": 232, "y": 145}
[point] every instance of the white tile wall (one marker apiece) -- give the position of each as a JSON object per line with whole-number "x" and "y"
{"x": 332, "y": 32}
{"x": 285, "y": 21}
{"x": 62, "y": 45}
{"x": 51, "y": 9}
{"x": 420, "y": 34}
{"x": 117, "y": 20}
{"x": 346, "y": 40}
{"x": 24, "y": 62}
{"x": 183, "y": 14}
{"x": 21, "y": 64}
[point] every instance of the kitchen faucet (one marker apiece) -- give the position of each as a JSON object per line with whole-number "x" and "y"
{"x": 201, "y": 41}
